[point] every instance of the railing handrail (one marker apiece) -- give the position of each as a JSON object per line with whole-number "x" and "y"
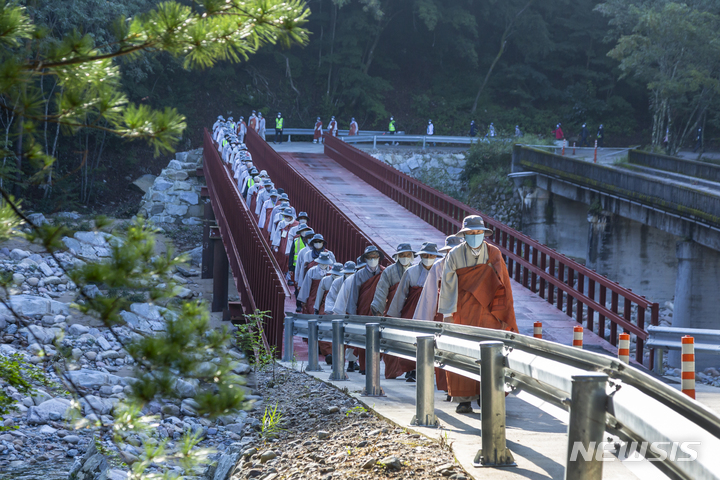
{"x": 455, "y": 342}
{"x": 265, "y": 289}
{"x": 442, "y": 211}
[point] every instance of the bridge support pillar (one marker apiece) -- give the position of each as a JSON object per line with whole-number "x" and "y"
{"x": 698, "y": 274}
{"x": 220, "y": 272}
{"x": 207, "y": 249}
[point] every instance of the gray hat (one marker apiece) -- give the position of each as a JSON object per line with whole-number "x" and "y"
{"x": 430, "y": 249}
{"x": 284, "y": 196}
{"x": 318, "y": 237}
{"x": 273, "y": 193}
{"x": 303, "y": 214}
{"x": 403, "y": 248}
{"x": 360, "y": 262}
{"x": 451, "y": 242}
{"x": 349, "y": 267}
{"x": 337, "y": 269}
{"x": 473, "y": 222}
{"x": 303, "y": 226}
{"x": 371, "y": 249}
{"x": 324, "y": 259}
{"x": 288, "y": 211}
{"x": 309, "y": 232}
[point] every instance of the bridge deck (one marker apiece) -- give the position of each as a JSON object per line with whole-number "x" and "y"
{"x": 389, "y": 224}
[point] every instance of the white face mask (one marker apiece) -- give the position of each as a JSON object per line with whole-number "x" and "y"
{"x": 372, "y": 262}
{"x": 428, "y": 262}
{"x": 287, "y": 219}
{"x": 318, "y": 245}
{"x": 474, "y": 241}
{"x": 324, "y": 268}
{"x": 405, "y": 261}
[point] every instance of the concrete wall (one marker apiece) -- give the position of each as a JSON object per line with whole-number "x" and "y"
{"x": 692, "y": 168}
{"x": 556, "y": 222}
{"x": 635, "y": 255}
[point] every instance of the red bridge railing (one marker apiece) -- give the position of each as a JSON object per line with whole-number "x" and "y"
{"x": 256, "y": 272}
{"x": 561, "y": 281}
{"x": 343, "y": 237}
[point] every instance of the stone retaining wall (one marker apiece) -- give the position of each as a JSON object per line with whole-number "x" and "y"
{"x": 174, "y": 196}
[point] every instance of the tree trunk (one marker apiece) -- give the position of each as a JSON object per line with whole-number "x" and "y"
{"x": 332, "y": 49}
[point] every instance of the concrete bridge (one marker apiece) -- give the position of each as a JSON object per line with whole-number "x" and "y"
{"x": 650, "y": 222}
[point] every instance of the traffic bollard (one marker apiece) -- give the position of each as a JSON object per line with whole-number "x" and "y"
{"x": 578, "y": 336}
{"x": 313, "y": 360}
{"x": 537, "y": 329}
{"x": 574, "y": 143}
{"x": 425, "y": 391}
{"x": 288, "y": 352}
{"x": 563, "y": 148}
{"x": 595, "y": 159}
{"x": 338, "y": 351}
{"x": 372, "y": 361}
{"x": 494, "y": 452}
{"x": 687, "y": 374}
{"x": 624, "y": 348}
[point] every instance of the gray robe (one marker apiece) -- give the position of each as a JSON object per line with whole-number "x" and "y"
{"x": 340, "y": 307}
{"x": 415, "y": 276}
{"x": 457, "y": 258}
{"x": 325, "y": 285}
{"x": 390, "y": 276}
{"x": 359, "y": 278}
{"x": 333, "y": 294}
{"x": 315, "y": 273}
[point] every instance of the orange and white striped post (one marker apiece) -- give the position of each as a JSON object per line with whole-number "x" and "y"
{"x": 687, "y": 375}
{"x": 595, "y": 159}
{"x": 624, "y": 348}
{"x": 563, "y": 149}
{"x": 537, "y": 329}
{"x": 578, "y": 336}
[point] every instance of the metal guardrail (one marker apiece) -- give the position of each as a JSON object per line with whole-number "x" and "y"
{"x": 311, "y": 131}
{"x": 366, "y": 137}
{"x": 601, "y": 393}
{"x": 343, "y": 237}
{"x": 556, "y": 278}
{"x": 256, "y": 272}
{"x": 669, "y": 338}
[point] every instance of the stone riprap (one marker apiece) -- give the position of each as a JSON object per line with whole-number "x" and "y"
{"x": 174, "y": 196}
{"x": 418, "y": 165}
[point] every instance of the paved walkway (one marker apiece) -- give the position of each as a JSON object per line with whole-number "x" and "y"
{"x": 389, "y": 224}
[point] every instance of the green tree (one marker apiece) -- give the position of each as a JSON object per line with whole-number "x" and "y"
{"x": 88, "y": 95}
{"x": 675, "y": 49}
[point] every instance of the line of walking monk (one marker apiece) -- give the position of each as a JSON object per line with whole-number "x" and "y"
{"x": 464, "y": 282}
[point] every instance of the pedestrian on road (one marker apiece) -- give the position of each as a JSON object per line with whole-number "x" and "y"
{"x": 431, "y": 130}
{"x": 391, "y": 128}
{"x": 473, "y": 128}
{"x": 559, "y": 135}
{"x": 518, "y": 132}
{"x": 584, "y": 136}
{"x": 261, "y": 125}
{"x": 475, "y": 290}
{"x": 317, "y": 134}
{"x": 353, "y": 127}
{"x": 252, "y": 121}
{"x": 601, "y": 136}
{"x": 491, "y": 131}
{"x": 332, "y": 127}
{"x": 698, "y": 143}
{"x": 278, "y": 128}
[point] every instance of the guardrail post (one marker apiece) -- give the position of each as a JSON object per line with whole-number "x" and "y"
{"x": 372, "y": 361}
{"x": 313, "y": 363}
{"x": 587, "y": 426}
{"x": 338, "y": 351}
{"x": 288, "y": 352}
{"x": 425, "y": 391}
{"x": 494, "y": 452}
{"x": 207, "y": 250}
{"x": 374, "y": 142}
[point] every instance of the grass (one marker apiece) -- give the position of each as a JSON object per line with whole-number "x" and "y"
{"x": 271, "y": 421}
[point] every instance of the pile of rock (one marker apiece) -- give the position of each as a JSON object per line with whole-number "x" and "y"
{"x": 37, "y": 274}
{"x": 174, "y": 196}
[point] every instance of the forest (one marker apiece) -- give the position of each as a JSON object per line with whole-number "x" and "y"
{"x": 649, "y": 70}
